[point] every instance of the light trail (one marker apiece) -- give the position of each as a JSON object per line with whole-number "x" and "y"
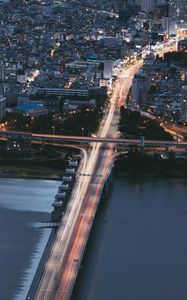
{"x": 70, "y": 223}
{"x": 62, "y": 266}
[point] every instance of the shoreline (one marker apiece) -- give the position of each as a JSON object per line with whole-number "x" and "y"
{"x": 138, "y": 165}
{"x": 32, "y": 166}
{"x": 34, "y": 177}
{"x": 117, "y": 173}
{"x": 126, "y": 175}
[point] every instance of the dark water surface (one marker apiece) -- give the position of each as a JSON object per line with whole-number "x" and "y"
{"x": 138, "y": 246}
{"x": 23, "y": 205}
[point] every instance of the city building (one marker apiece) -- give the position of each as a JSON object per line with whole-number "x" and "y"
{"x": 184, "y": 104}
{"x": 148, "y": 5}
{"x": 182, "y": 46}
{"x": 182, "y": 32}
{"x": 63, "y": 92}
{"x": 2, "y": 71}
{"x": 108, "y": 68}
{"x": 140, "y": 88}
{"x": 74, "y": 105}
{"x": 33, "y": 110}
{"x": 2, "y": 106}
{"x": 169, "y": 25}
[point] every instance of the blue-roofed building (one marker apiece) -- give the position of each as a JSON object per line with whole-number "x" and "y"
{"x": 88, "y": 56}
{"x": 33, "y": 110}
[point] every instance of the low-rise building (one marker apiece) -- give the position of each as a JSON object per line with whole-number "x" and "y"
{"x": 32, "y": 110}
{"x": 182, "y": 46}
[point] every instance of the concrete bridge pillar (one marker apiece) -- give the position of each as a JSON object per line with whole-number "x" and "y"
{"x": 142, "y": 141}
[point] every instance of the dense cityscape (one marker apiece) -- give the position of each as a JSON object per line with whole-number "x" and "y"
{"x": 92, "y": 94}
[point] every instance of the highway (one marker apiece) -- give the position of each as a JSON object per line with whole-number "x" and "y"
{"x": 62, "y": 266}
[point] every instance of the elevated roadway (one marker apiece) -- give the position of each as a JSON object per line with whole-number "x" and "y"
{"x": 62, "y": 266}
{"x": 83, "y": 139}
{"x": 61, "y": 269}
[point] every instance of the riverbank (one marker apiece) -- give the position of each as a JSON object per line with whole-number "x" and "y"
{"x": 138, "y": 164}
{"x": 48, "y": 164}
{"x": 30, "y": 171}
{"x": 40, "y": 172}
{"x": 26, "y": 176}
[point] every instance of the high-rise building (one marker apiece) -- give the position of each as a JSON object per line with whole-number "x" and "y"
{"x": 108, "y": 67}
{"x": 2, "y": 106}
{"x": 140, "y": 88}
{"x": 148, "y": 5}
{"x": 178, "y": 11}
{"x": 169, "y": 25}
{"x": 184, "y": 104}
{"x": 2, "y": 71}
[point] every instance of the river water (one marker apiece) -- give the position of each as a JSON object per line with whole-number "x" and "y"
{"x": 138, "y": 245}
{"x": 137, "y": 249}
{"x": 24, "y": 204}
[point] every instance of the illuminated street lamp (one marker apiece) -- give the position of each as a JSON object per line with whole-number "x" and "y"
{"x": 53, "y": 128}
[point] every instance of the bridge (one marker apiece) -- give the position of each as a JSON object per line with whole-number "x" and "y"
{"x": 61, "y": 269}
{"x": 83, "y": 139}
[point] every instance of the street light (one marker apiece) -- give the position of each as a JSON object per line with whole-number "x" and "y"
{"x": 82, "y": 130}
{"x": 53, "y": 128}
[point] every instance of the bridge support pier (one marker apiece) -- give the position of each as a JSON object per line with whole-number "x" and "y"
{"x": 107, "y": 187}
{"x": 56, "y": 214}
{"x": 43, "y": 143}
{"x": 142, "y": 142}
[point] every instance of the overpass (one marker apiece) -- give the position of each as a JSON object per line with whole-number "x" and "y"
{"x": 83, "y": 139}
